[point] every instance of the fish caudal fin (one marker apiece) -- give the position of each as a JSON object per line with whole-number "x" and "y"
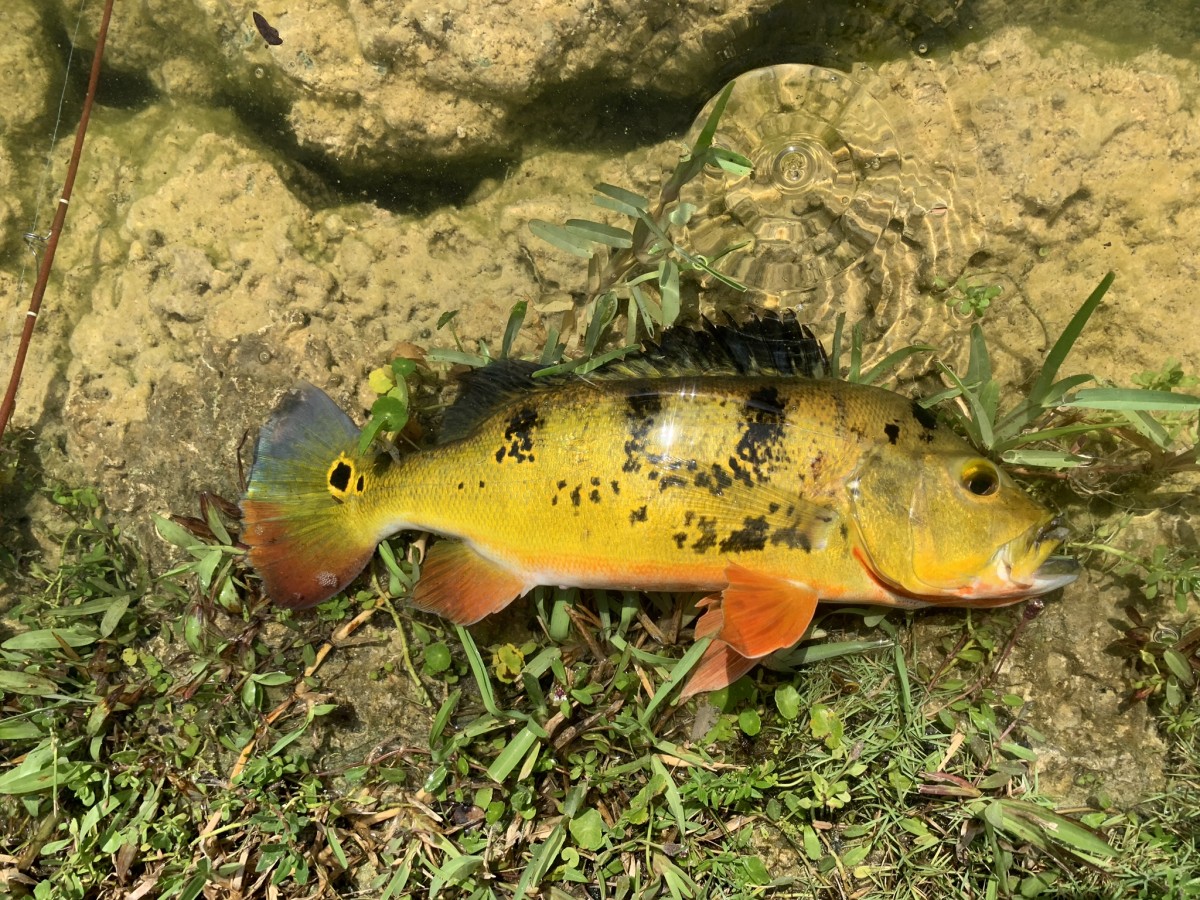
{"x": 756, "y": 615}
{"x": 303, "y": 519}
{"x": 462, "y": 586}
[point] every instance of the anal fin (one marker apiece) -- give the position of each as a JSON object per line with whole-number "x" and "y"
{"x": 761, "y": 614}
{"x": 459, "y": 584}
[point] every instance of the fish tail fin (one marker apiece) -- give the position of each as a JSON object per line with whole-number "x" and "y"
{"x": 304, "y": 519}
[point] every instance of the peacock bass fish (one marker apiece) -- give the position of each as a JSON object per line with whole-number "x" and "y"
{"x": 718, "y": 460}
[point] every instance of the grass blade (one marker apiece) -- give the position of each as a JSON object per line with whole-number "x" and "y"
{"x": 1066, "y": 340}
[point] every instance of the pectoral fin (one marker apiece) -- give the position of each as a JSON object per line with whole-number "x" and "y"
{"x": 762, "y": 614}
{"x": 462, "y": 586}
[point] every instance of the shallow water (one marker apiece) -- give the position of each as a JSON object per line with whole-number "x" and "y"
{"x": 247, "y": 215}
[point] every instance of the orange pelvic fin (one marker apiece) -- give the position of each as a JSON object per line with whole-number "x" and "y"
{"x": 462, "y": 586}
{"x": 719, "y": 667}
{"x": 762, "y": 614}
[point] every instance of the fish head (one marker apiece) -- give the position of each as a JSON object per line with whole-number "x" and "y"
{"x": 952, "y": 527}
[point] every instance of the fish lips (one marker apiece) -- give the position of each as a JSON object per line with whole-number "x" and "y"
{"x": 1054, "y": 571}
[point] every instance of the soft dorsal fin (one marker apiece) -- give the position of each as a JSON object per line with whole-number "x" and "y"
{"x": 771, "y": 345}
{"x": 481, "y": 391}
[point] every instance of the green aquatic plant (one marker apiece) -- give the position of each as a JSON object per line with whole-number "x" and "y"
{"x": 1059, "y": 423}
{"x": 969, "y": 295}
{"x": 641, "y": 266}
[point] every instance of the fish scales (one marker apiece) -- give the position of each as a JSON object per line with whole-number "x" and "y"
{"x": 767, "y": 489}
{"x": 657, "y": 483}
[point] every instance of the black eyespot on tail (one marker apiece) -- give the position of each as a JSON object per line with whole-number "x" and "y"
{"x": 339, "y": 477}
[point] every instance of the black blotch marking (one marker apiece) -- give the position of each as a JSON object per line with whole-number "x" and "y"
{"x": 844, "y": 532}
{"x": 519, "y": 434}
{"x": 680, "y": 538}
{"x": 554, "y": 500}
{"x": 269, "y": 34}
{"x": 772, "y": 508}
{"x": 892, "y": 430}
{"x": 924, "y": 417}
{"x": 640, "y": 412}
{"x": 576, "y": 495}
{"x": 595, "y": 481}
{"x": 644, "y": 406}
{"x": 708, "y": 534}
{"x": 339, "y": 478}
{"x": 739, "y": 473}
{"x": 481, "y": 484}
{"x": 360, "y": 484}
{"x": 671, "y": 481}
{"x": 561, "y": 485}
{"x": 751, "y": 536}
{"x": 767, "y": 403}
{"x": 761, "y": 445}
{"x": 594, "y": 496}
{"x": 653, "y": 476}
{"x": 460, "y": 485}
{"x": 688, "y": 515}
{"x": 616, "y": 487}
{"x": 791, "y": 537}
{"x": 638, "y": 515}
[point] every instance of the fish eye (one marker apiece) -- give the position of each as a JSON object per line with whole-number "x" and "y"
{"x": 980, "y": 477}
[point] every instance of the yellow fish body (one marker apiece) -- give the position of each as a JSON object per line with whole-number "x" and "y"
{"x": 772, "y": 491}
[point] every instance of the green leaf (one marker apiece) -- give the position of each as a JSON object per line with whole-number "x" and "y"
{"x": 174, "y": 533}
{"x": 516, "y": 318}
{"x": 668, "y": 283}
{"x": 1044, "y": 459}
{"x": 52, "y": 638}
{"x": 787, "y": 701}
{"x": 731, "y": 161}
{"x": 892, "y": 361}
{"x": 604, "y": 310}
{"x": 454, "y": 872}
{"x": 588, "y": 830}
{"x": 457, "y": 357}
{"x": 633, "y": 202}
{"x": 750, "y": 722}
{"x": 1178, "y": 665}
{"x": 26, "y": 684}
{"x": 1062, "y": 347}
{"x": 600, "y": 234}
{"x": 561, "y": 238}
{"x": 1132, "y": 399}
{"x": 704, "y": 141}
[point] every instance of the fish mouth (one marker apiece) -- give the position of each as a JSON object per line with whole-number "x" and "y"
{"x": 1048, "y": 573}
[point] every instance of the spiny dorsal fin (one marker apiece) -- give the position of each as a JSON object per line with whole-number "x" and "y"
{"x": 772, "y": 344}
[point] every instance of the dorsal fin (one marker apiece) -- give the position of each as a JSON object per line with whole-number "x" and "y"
{"x": 773, "y": 344}
{"x": 481, "y": 391}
